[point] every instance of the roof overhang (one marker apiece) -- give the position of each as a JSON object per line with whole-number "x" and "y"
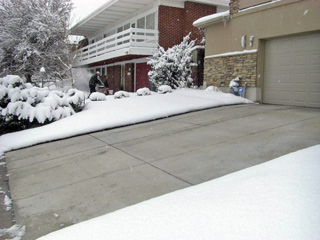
{"x": 110, "y": 12}
{"x": 212, "y": 19}
{"x": 115, "y": 10}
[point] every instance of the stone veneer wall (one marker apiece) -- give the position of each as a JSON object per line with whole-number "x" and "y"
{"x": 220, "y": 70}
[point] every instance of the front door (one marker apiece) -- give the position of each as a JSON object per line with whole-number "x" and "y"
{"x": 142, "y": 79}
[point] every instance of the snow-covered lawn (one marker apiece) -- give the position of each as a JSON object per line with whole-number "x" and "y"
{"x": 274, "y": 200}
{"x": 99, "y": 115}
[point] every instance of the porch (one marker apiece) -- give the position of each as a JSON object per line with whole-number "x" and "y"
{"x": 133, "y": 41}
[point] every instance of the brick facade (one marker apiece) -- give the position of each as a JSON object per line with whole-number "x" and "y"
{"x": 219, "y": 71}
{"x": 194, "y": 11}
{"x": 176, "y": 23}
{"x": 170, "y": 25}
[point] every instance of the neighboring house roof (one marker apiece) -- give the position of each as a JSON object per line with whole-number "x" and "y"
{"x": 115, "y": 10}
{"x": 211, "y": 19}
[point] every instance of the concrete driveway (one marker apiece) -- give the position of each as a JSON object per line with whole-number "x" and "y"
{"x": 61, "y": 183}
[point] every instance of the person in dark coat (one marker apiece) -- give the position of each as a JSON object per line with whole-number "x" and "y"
{"x": 95, "y": 79}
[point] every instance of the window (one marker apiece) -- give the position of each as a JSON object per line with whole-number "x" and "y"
{"x": 146, "y": 22}
{"x": 151, "y": 23}
{"x": 141, "y": 23}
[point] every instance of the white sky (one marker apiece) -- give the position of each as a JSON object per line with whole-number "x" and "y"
{"x": 82, "y": 8}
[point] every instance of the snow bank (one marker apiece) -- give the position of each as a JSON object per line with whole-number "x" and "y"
{"x": 112, "y": 113}
{"x": 275, "y": 200}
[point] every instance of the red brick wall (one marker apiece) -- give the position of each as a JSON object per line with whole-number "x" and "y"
{"x": 176, "y": 23}
{"x": 194, "y": 11}
{"x": 171, "y": 22}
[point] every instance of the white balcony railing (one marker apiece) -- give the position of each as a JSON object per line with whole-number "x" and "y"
{"x": 132, "y": 41}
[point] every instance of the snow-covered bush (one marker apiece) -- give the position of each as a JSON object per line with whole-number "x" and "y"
{"x": 76, "y": 99}
{"x": 23, "y": 106}
{"x": 172, "y": 67}
{"x": 11, "y": 81}
{"x": 164, "y": 89}
{"x": 213, "y": 89}
{"x": 121, "y": 94}
{"x": 143, "y": 91}
{"x": 97, "y": 96}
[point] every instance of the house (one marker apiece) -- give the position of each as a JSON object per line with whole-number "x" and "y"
{"x": 273, "y": 45}
{"x": 122, "y": 34}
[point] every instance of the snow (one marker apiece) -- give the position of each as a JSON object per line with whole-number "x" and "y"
{"x": 213, "y": 89}
{"x": 211, "y": 18}
{"x": 232, "y": 53}
{"x": 100, "y": 115}
{"x": 278, "y": 199}
{"x": 15, "y": 232}
{"x": 7, "y": 203}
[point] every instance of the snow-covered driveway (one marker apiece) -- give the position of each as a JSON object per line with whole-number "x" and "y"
{"x": 65, "y": 182}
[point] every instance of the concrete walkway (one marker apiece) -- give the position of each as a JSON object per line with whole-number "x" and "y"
{"x": 65, "y": 182}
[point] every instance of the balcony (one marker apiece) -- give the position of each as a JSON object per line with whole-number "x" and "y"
{"x": 132, "y": 41}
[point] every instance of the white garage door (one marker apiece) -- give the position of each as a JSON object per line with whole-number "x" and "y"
{"x": 292, "y": 71}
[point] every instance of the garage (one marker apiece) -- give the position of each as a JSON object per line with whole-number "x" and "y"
{"x": 292, "y": 71}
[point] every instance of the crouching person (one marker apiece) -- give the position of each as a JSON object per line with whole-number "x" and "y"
{"x": 234, "y": 84}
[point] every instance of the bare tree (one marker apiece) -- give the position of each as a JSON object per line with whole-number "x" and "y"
{"x": 33, "y": 34}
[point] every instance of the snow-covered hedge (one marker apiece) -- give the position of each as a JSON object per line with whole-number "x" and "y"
{"x": 164, "y": 89}
{"x": 23, "y": 106}
{"x": 97, "y": 96}
{"x": 143, "y": 91}
{"x": 121, "y": 94}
